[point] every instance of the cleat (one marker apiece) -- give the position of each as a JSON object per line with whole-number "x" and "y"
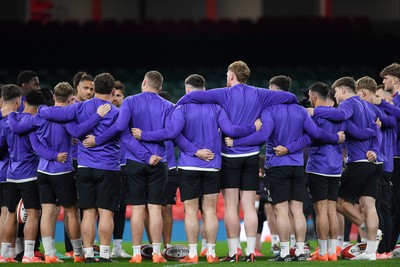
{"x": 34, "y": 259}
{"x": 4, "y": 260}
{"x": 53, "y": 259}
{"x": 257, "y": 253}
{"x": 203, "y": 252}
{"x": 211, "y": 259}
{"x": 105, "y": 260}
{"x": 80, "y": 258}
{"x": 158, "y": 258}
{"x": 381, "y": 256}
{"x": 120, "y": 253}
{"x": 69, "y": 254}
{"x": 332, "y": 257}
{"x": 365, "y": 257}
{"x": 389, "y": 255}
{"x": 287, "y": 258}
{"x": 300, "y": 257}
{"x": 275, "y": 250}
{"x": 249, "y": 258}
{"x": 39, "y": 255}
{"x": 317, "y": 257}
{"x": 90, "y": 260}
{"x": 338, "y": 251}
{"x": 188, "y": 259}
{"x": 228, "y": 258}
{"x": 136, "y": 259}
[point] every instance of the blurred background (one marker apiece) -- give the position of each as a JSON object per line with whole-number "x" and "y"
{"x": 309, "y": 40}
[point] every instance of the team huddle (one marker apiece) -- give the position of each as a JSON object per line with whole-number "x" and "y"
{"x": 96, "y": 152}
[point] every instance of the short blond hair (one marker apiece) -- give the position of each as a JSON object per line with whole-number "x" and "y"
{"x": 241, "y": 70}
{"x": 63, "y": 91}
{"x": 367, "y": 83}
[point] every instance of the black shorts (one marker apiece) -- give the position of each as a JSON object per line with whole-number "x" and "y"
{"x": 146, "y": 184}
{"x": 286, "y": 183}
{"x": 3, "y": 194}
{"x": 57, "y": 189}
{"x": 240, "y": 173}
{"x": 29, "y": 193}
{"x": 360, "y": 179}
{"x": 99, "y": 189}
{"x": 172, "y": 186}
{"x": 194, "y": 184}
{"x": 323, "y": 187}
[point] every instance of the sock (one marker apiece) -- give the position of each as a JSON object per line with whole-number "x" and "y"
{"x": 77, "y": 246}
{"x": 239, "y": 245}
{"x": 136, "y": 250}
{"x": 363, "y": 227}
{"x": 210, "y": 250}
{"x": 48, "y": 247}
{"x": 332, "y": 244}
{"x": 340, "y": 239}
{"x": 203, "y": 244}
{"x": 5, "y": 249}
{"x": 12, "y": 252}
{"x": 192, "y": 250}
{"x": 251, "y": 245}
{"x": 29, "y": 248}
{"x": 117, "y": 244}
{"x": 232, "y": 246}
{"x": 167, "y": 245}
{"x": 300, "y": 248}
{"x": 104, "y": 252}
{"x": 156, "y": 248}
{"x": 292, "y": 241}
{"x": 322, "y": 246}
{"x": 274, "y": 240}
{"x": 53, "y": 245}
{"x": 19, "y": 245}
{"x": 89, "y": 253}
{"x": 371, "y": 247}
{"x": 364, "y": 240}
{"x": 284, "y": 249}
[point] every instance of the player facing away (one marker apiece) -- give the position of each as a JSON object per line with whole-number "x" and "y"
{"x": 98, "y": 181}
{"x": 239, "y": 174}
{"x": 360, "y": 177}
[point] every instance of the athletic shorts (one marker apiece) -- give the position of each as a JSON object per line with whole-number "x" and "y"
{"x": 3, "y": 194}
{"x": 360, "y": 179}
{"x": 57, "y": 189}
{"x": 286, "y": 183}
{"x": 323, "y": 187}
{"x": 29, "y": 193}
{"x": 98, "y": 189}
{"x": 172, "y": 186}
{"x": 194, "y": 184}
{"x": 146, "y": 184}
{"x": 240, "y": 173}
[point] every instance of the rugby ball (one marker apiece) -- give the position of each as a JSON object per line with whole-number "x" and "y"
{"x": 352, "y": 250}
{"x": 21, "y": 212}
{"x": 176, "y": 252}
{"x": 396, "y": 251}
{"x": 146, "y": 251}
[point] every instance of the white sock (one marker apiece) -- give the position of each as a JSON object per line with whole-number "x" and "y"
{"x": 322, "y": 246}
{"x": 192, "y": 250}
{"x": 89, "y": 253}
{"x": 203, "y": 244}
{"x": 77, "y": 246}
{"x": 156, "y": 248}
{"x": 274, "y": 240}
{"x": 251, "y": 245}
{"x": 292, "y": 241}
{"x": 48, "y": 247}
{"x": 332, "y": 244}
{"x": 300, "y": 248}
{"x": 12, "y": 252}
{"x": 117, "y": 244}
{"x": 104, "y": 252}
{"x": 340, "y": 239}
{"x": 364, "y": 240}
{"x": 232, "y": 246}
{"x": 363, "y": 227}
{"x": 136, "y": 250}
{"x": 167, "y": 245}
{"x": 210, "y": 249}
{"x": 29, "y": 248}
{"x": 53, "y": 244}
{"x": 285, "y": 246}
{"x": 239, "y": 245}
{"x": 19, "y": 245}
{"x": 371, "y": 247}
{"x": 5, "y": 249}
